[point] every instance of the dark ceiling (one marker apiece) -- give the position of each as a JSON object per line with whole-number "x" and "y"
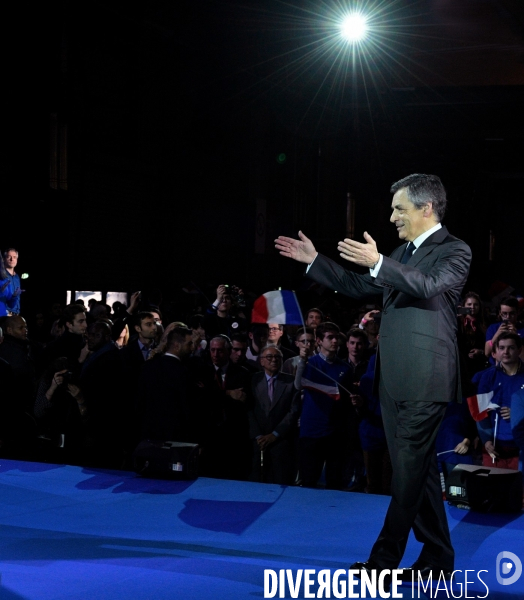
{"x": 175, "y": 112}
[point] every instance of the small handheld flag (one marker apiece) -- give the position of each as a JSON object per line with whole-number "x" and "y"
{"x": 277, "y": 307}
{"x": 480, "y": 404}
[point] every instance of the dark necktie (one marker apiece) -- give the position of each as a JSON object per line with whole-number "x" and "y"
{"x": 270, "y": 388}
{"x": 218, "y": 376}
{"x": 410, "y": 248}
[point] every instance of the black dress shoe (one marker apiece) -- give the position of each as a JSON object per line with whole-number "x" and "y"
{"x": 367, "y": 566}
{"x": 422, "y": 570}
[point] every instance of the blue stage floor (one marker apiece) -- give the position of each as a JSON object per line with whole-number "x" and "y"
{"x": 73, "y": 533}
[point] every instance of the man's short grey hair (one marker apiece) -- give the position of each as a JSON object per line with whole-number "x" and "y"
{"x": 422, "y": 189}
{"x": 222, "y": 338}
{"x": 273, "y": 347}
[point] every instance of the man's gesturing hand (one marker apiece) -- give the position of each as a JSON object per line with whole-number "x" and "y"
{"x": 365, "y": 255}
{"x": 301, "y": 250}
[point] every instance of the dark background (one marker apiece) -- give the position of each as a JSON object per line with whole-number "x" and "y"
{"x": 138, "y": 139}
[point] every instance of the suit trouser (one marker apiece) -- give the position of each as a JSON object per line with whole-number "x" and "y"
{"x": 279, "y": 463}
{"x": 416, "y": 503}
{"x": 330, "y": 450}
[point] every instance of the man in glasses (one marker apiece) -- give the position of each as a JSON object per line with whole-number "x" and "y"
{"x": 304, "y": 338}
{"x": 508, "y": 315}
{"x": 276, "y": 335}
{"x": 273, "y": 420}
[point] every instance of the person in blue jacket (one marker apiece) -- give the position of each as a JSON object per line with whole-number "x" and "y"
{"x": 8, "y": 296}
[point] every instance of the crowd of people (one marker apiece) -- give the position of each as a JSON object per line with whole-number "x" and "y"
{"x": 270, "y": 402}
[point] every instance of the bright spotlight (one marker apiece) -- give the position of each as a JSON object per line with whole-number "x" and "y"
{"x": 354, "y": 27}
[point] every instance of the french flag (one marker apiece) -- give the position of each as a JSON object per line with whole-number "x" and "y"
{"x": 330, "y": 390}
{"x": 277, "y": 307}
{"x": 480, "y": 405}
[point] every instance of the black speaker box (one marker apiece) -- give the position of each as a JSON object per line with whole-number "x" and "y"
{"x": 166, "y": 460}
{"x": 485, "y": 489}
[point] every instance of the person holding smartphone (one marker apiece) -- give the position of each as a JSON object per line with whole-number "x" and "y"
{"x": 508, "y": 323}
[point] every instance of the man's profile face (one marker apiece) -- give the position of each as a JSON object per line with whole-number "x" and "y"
{"x": 238, "y": 351}
{"x": 79, "y": 324}
{"x": 219, "y": 353}
{"x": 187, "y": 347}
{"x": 507, "y": 352}
{"x": 19, "y": 329}
{"x": 147, "y": 328}
{"x": 408, "y": 219}
{"x": 508, "y": 313}
{"x": 11, "y": 259}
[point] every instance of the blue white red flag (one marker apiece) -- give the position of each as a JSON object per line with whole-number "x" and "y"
{"x": 277, "y": 307}
{"x": 329, "y": 389}
{"x": 480, "y": 405}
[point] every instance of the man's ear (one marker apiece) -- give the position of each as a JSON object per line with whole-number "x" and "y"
{"x": 428, "y": 209}
{"x": 137, "y": 328}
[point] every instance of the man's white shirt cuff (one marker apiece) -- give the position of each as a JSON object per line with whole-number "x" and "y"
{"x": 374, "y": 272}
{"x": 309, "y": 266}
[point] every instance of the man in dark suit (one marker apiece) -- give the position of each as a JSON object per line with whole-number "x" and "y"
{"x": 273, "y": 420}
{"x": 164, "y": 409}
{"x": 226, "y": 452}
{"x": 137, "y": 351}
{"x": 101, "y": 399}
{"x": 417, "y": 361}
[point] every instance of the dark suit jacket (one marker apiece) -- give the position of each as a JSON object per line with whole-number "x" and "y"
{"x": 163, "y": 403}
{"x": 418, "y": 354}
{"x": 280, "y": 415}
{"x": 101, "y": 382}
{"x": 133, "y": 357}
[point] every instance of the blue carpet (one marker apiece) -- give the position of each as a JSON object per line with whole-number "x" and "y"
{"x": 73, "y": 533}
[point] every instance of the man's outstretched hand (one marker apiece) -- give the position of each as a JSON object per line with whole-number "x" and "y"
{"x": 365, "y": 255}
{"x": 301, "y": 250}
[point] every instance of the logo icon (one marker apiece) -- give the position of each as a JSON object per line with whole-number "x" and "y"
{"x": 508, "y": 564}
